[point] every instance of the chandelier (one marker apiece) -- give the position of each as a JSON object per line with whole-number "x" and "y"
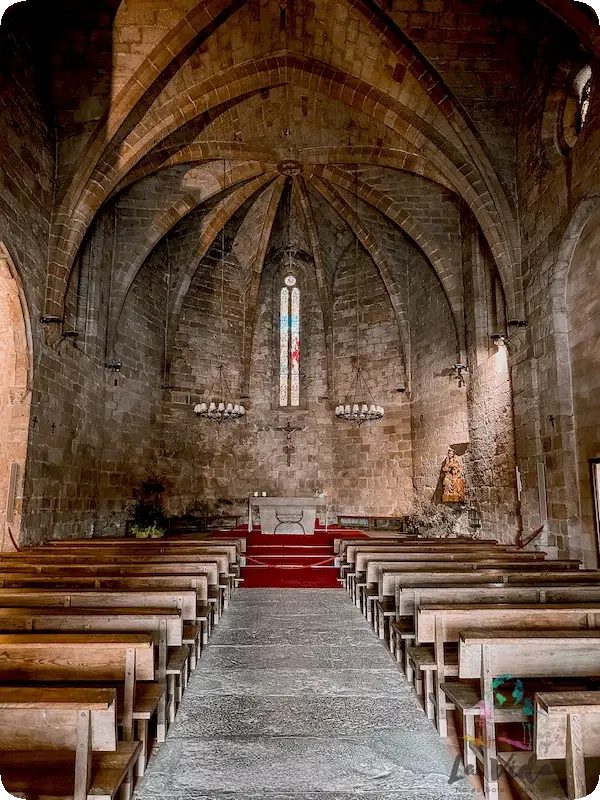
{"x": 360, "y": 406}
{"x": 359, "y": 411}
{"x": 221, "y": 409}
{"x": 220, "y": 405}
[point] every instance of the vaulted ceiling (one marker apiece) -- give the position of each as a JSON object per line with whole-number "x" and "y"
{"x": 378, "y": 121}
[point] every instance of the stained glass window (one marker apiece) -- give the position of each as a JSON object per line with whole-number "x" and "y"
{"x": 289, "y": 344}
{"x": 284, "y": 347}
{"x": 295, "y": 347}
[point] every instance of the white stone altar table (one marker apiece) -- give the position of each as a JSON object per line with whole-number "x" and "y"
{"x": 287, "y": 514}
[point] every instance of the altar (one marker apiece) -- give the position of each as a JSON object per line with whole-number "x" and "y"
{"x": 287, "y": 514}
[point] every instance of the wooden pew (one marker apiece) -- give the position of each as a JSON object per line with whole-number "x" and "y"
{"x": 346, "y": 547}
{"x": 204, "y": 613}
{"x": 371, "y": 587}
{"x": 422, "y": 546}
{"x": 415, "y": 591}
{"x": 399, "y": 579}
{"x": 219, "y": 586}
{"x": 391, "y": 577}
{"x": 185, "y": 600}
{"x": 222, "y": 579}
{"x": 443, "y": 564}
{"x": 125, "y": 661}
{"x": 133, "y": 550}
{"x": 62, "y": 742}
{"x": 526, "y": 654}
{"x": 165, "y": 624}
{"x": 217, "y": 591}
{"x": 440, "y": 625}
{"x": 197, "y": 584}
{"x": 170, "y": 546}
{"x": 567, "y": 731}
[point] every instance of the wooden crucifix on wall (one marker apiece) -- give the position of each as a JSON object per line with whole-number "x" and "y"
{"x": 289, "y": 447}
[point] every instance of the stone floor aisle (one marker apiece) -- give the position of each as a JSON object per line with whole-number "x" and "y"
{"x": 295, "y": 699}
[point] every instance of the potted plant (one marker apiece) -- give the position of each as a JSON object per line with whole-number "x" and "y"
{"x": 148, "y": 518}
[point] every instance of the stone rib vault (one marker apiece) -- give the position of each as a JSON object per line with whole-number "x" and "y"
{"x": 295, "y": 699}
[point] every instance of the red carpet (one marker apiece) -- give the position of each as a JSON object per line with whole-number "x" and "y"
{"x": 295, "y": 562}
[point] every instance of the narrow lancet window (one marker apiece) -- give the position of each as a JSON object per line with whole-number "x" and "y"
{"x": 289, "y": 344}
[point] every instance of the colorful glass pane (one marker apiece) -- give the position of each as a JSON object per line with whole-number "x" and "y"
{"x": 290, "y": 280}
{"x": 295, "y": 348}
{"x": 284, "y": 346}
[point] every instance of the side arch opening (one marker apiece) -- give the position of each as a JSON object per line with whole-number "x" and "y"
{"x": 15, "y": 399}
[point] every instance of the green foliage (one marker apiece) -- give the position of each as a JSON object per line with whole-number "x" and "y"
{"x": 151, "y": 532}
{"x": 148, "y": 519}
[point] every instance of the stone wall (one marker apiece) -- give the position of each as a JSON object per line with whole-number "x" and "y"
{"x": 372, "y": 463}
{"x": 491, "y": 479}
{"x": 207, "y": 463}
{"x": 438, "y": 403}
{"x": 583, "y": 317}
{"x": 557, "y": 193}
{"x": 15, "y": 399}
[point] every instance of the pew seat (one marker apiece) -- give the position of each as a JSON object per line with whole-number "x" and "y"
{"x": 178, "y": 672}
{"x": 567, "y": 736}
{"x": 192, "y": 636}
{"x": 61, "y": 742}
{"x": 440, "y": 626}
{"x": 562, "y": 654}
{"x": 402, "y": 632}
{"x": 49, "y": 775}
{"x": 165, "y": 624}
{"x": 123, "y": 661}
{"x": 383, "y": 612}
{"x": 422, "y": 665}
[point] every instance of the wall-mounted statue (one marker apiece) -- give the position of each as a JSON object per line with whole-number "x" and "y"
{"x": 453, "y": 482}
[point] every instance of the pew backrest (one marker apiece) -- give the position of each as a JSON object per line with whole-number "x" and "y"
{"x": 552, "y": 713}
{"x": 75, "y": 657}
{"x": 410, "y": 598}
{"x": 97, "y": 620}
{"x": 169, "y": 547}
{"x": 197, "y": 583}
{"x": 383, "y": 573}
{"x": 529, "y": 654}
{"x": 185, "y": 600}
{"x": 433, "y": 621}
{"x": 45, "y": 718}
{"x": 363, "y": 558}
{"x": 427, "y": 546}
{"x": 549, "y": 587}
{"x": 120, "y": 565}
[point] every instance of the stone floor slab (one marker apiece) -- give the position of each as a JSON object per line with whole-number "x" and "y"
{"x": 302, "y": 715}
{"x": 289, "y": 682}
{"x": 295, "y": 711}
{"x": 456, "y": 792}
{"x": 308, "y": 620}
{"x": 295, "y": 657}
{"x": 297, "y": 764}
{"x": 286, "y": 635}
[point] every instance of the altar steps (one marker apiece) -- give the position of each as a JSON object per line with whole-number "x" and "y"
{"x": 289, "y": 561}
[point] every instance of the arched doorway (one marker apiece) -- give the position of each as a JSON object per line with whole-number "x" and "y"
{"x": 15, "y": 398}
